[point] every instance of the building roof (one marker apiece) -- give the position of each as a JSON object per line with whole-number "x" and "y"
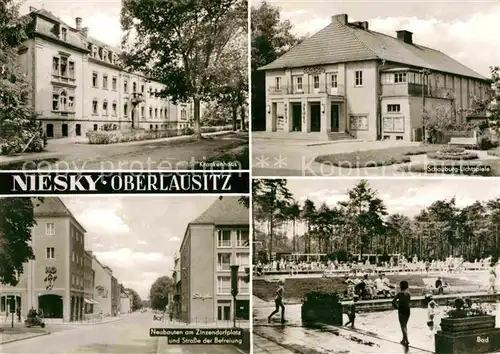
{"x": 53, "y": 207}
{"x": 224, "y": 211}
{"x": 341, "y": 43}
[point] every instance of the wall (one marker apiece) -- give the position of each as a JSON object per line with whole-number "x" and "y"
{"x": 185, "y": 264}
{"x": 102, "y": 278}
{"x": 404, "y": 113}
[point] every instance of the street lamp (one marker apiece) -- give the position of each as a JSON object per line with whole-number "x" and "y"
{"x": 234, "y": 289}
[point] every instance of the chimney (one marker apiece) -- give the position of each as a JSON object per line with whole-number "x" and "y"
{"x": 33, "y": 9}
{"x": 364, "y": 25}
{"x": 342, "y": 18}
{"x": 78, "y": 22}
{"x": 85, "y": 31}
{"x": 405, "y": 36}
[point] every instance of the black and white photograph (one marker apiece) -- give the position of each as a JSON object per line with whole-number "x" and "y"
{"x": 375, "y": 88}
{"x": 376, "y": 266}
{"x": 102, "y": 274}
{"x": 117, "y": 85}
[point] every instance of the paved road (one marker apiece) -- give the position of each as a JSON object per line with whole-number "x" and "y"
{"x": 143, "y": 155}
{"x": 130, "y": 335}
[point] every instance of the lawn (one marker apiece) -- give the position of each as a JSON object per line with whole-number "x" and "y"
{"x": 375, "y": 158}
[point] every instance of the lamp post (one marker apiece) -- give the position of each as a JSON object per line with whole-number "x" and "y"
{"x": 234, "y": 289}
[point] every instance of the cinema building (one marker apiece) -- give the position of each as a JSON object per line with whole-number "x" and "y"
{"x": 213, "y": 242}
{"x": 348, "y": 81}
{"x": 78, "y": 83}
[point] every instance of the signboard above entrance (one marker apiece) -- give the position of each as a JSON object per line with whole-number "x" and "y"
{"x": 314, "y": 70}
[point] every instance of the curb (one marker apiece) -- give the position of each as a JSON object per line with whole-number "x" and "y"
{"x": 84, "y": 324}
{"x": 26, "y": 338}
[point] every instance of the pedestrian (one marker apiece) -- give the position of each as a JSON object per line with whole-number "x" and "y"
{"x": 401, "y": 302}
{"x": 351, "y": 311}
{"x": 18, "y": 313}
{"x": 278, "y": 301}
{"x": 493, "y": 280}
{"x": 431, "y": 311}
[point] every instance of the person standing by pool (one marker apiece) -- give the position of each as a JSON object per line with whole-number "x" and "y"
{"x": 492, "y": 279}
{"x": 431, "y": 312}
{"x": 278, "y": 301}
{"x": 401, "y": 302}
{"x": 351, "y": 311}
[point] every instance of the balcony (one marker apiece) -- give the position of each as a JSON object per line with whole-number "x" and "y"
{"x": 307, "y": 89}
{"x": 410, "y": 89}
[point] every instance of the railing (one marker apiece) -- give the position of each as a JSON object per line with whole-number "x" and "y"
{"x": 404, "y": 89}
{"x": 307, "y": 89}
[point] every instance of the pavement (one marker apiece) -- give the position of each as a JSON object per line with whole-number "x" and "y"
{"x": 173, "y": 153}
{"x": 130, "y": 335}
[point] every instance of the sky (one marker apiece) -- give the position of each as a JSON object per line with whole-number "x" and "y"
{"x": 136, "y": 236}
{"x": 465, "y": 30}
{"x": 406, "y": 196}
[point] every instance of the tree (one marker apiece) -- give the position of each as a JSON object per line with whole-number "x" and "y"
{"x": 271, "y": 38}
{"x": 270, "y": 197}
{"x": 136, "y": 299}
{"x": 308, "y": 214}
{"x": 19, "y": 128}
{"x": 182, "y": 44}
{"x": 490, "y": 103}
{"x": 159, "y": 292}
{"x": 16, "y": 222}
{"x": 293, "y": 213}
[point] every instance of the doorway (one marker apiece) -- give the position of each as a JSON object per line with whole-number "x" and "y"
{"x": 334, "y": 118}
{"x": 224, "y": 310}
{"x": 51, "y": 305}
{"x": 315, "y": 117}
{"x": 296, "y": 117}
{"x": 50, "y": 130}
{"x": 78, "y": 130}
{"x": 64, "y": 130}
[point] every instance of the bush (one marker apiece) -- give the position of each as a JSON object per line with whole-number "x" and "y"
{"x": 119, "y": 136}
{"x": 485, "y": 142}
{"x": 455, "y": 157}
{"x": 451, "y": 150}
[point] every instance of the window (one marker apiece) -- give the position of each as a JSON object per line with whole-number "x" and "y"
{"x": 94, "y": 79}
{"x": 393, "y": 108}
{"x": 73, "y": 256}
{"x": 156, "y": 112}
{"x": 242, "y": 239}
{"x": 105, "y": 82}
{"x": 55, "y": 102}
{"x": 95, "y": 51}
{"x": 299, "y": 83}
{"x": 125, "y": 86}
{"x": 333, "y": 81}
{"x": 49, "y": 253}
{"x": 50, "y": 229}
{"x": 64, "y": 34}
{"x": 125, "y": 110}
{"x": 183, "y": 114}
{"x": 134, "y": 87}
{"x": 114, "y": 83}
{"x": 150, "y": 112}
{"x": 224, "y": 285}
{"x": 243, "y": 259}
{"x": 156, "y": 93}
{"x": 277, "y": 82}
{"x": 316, "y": 81}
{"x": 242, "y": 286}
{"x": 224, "y": 238}
{"x": 359, "y": 78}
{"x": 114, "y": 108}
{"x": 94, "y": 107}
{"x": 64, "y": 67}
{"x": 399, "y": 77}
{"x": 55, "y": 66}
{"x": 142, "y": 88}
{"x": 64, "y": 101}
{"x": 105, "y": 107}
{"x": 71, "y": 103}
{"x": 224, "y": 261}
{"x": 143, "y": 111}
{"x": 72, "y": 69}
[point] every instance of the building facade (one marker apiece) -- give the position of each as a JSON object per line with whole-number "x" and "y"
{"x": 115, "y": 297}
{"x": 102, "y": 288}
{"x": 79, "y": 85}
{"x": 348, "y": 79}
{"x": 126, "y": 300}
{"x": 88, "y": 285}
{"x": 54, "y": 281}
{"x": 205, "y": 289}
{"x": 176, "y": 277}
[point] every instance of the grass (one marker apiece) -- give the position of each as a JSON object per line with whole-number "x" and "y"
{"x": 376, "y": 158}
{"x": 237, "y": 158}
{"x": 28, "y": 164}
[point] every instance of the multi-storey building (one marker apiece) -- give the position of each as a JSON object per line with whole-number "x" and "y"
{"x": 213, "y": 242}
{"x": 102, "y": 288}
{"x": 126, "y": 300}
{"x": 176, "y": 277}
{"x": 115, "y": 296}
{"x": 350, "y": 79}
{"x": 79, "y": 84}
{"x": 88, "y": 283}
{"x": 54, "y": 281}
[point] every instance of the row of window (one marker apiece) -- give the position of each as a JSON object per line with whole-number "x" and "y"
{"x": 224, "y": 260}
{"x": 224, "y": 285}
{"x": 224, "y": 239}
{"x": 114, "y": 85}
{"x": 158, "y": 112}
{"x": 62, "y": 66}
{"x": 333, "y": 81}
{"x": 77, "y": 280}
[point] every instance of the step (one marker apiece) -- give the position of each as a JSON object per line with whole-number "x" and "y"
{"x": 339, "y": 136}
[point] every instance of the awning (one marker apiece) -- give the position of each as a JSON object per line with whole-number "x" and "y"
{"x": 87, "y": 301}
{"x": 94, "y": 302}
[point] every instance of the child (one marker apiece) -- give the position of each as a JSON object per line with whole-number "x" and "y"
{"x": 431, "y": 311}
{"x": 351, "y": 311}
{"x": 402, "y": 303}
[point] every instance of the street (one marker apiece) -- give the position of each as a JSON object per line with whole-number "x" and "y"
{"x": 128, "y": 335}
{"x": 163, "y": 154}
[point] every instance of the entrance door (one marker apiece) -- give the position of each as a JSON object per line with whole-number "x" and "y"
{"x": 78, "y": 130}
{"x": 65, "y": 130}
{"x": 315, "y": 117}
{"x": 296, "y": 117}
{"x": 50, "y": 130}
{"x": 224, "y": 311}
{"x": 335, "y": 118}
